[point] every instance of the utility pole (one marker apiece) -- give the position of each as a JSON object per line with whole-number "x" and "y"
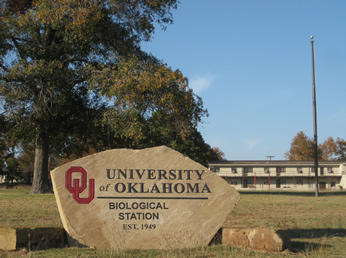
{"x": 314, "y": 113}
{"x": 270, "y": 157}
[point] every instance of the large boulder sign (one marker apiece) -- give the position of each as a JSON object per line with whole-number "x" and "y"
{"x": 153, "y": 198}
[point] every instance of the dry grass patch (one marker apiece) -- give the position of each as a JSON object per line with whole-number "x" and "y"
{"x": 316, "y": 226}
{"x": 289, "y": 210}
{"x": 19, "y": 208}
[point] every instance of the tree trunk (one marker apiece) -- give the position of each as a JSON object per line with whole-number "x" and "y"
{"x": 41, "y": 182}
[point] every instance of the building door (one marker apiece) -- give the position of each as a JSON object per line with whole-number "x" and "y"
{"x": 245, "y": 183}
{"x": 322, "y": 185}
{"x": 322, "y": 171}
{"x": 278, "y": 183}
{"x": 245, "y": 171}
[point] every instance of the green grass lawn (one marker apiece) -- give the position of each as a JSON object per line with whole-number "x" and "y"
{"x": 316, "y": 226}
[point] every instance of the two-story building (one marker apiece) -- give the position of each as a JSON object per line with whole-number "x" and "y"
{"x": 281, "y": 174}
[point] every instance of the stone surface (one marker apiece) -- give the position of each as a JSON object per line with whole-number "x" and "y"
{"x": 8, "y": 239}
{"x": 256, "y": 238}
{"x": 32, "y": 238}
{"x": 141, "y": 199}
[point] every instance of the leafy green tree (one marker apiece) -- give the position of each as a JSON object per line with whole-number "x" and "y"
{"x": 72, "y": 74}
{"x": 195, "y": 148}
{"x": 9, "y": 166}
{"x": 153, "y": 104}
{"x": 2, "y": 150}
{"x": 12, "y": 171}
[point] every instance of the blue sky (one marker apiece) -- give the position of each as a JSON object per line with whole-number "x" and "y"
{"x": 250, "y": 61}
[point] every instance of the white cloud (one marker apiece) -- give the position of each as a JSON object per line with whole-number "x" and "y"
{"x": 252, "y": 143}
{"x": 201, "y": 83}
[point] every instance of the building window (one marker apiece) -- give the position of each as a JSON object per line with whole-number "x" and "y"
{"x": 217, "y": 169}
{"x": 234, "y": 170}
{"x": 332, "y": 184}
{"x": 266, "y": 169}
{"x": 234, "y": 182}
{"x": 299, "y": 170}
{"x": 247, "y": 169}
{"x": 283, "y": 181}
{"x": 282, "y": 169}
{"x": 300, "y": 182}
{"x": 330, "y": 170}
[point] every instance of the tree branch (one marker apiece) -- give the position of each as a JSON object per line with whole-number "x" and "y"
{"x": 17, "y": 46}
{"x": 4, "y": 67}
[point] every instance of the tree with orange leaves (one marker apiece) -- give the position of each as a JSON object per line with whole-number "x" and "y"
{"x": 301, "y": 148}
{"x": 328, "y": 149}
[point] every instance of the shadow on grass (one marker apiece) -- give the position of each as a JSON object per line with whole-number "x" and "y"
{"x": 315, "y": 233}
{"x": 293, "y": 193}
{"x": 306, "y": 247}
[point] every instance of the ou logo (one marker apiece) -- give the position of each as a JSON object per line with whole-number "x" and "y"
{"x": 75, "y": 188}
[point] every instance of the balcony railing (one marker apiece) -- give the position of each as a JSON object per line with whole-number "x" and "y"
{"x": 261, "y": 173}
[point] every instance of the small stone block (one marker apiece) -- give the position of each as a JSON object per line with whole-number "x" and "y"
{"x": 8, "y": 239}
{"x": 257, "y": 239}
